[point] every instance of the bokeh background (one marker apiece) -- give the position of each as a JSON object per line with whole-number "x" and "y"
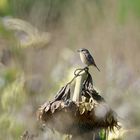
{"x": 38, "y": 43}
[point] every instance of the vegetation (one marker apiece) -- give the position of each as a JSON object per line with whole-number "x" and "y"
{"x": 38, "y": 47}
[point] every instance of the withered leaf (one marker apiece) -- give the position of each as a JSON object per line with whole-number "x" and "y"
{"x": 66, "y": 94}
{"x": 60, "y": 93}
{"x": 88, "y": 84}
{"x": 82, "y": 108}
{"x": 55, "y": 106}
{"x": 43, "y": 107}
{"x": 63, "y": 93}
{"x": 71, "y": 105}
{"x": 47, "y": 108}
{"x": 89, "y": 106}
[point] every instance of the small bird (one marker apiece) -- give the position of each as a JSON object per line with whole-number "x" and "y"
{"x": 87, "y": 58}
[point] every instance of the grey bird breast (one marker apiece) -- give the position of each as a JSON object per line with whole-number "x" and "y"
{"x": 86, "y": 59}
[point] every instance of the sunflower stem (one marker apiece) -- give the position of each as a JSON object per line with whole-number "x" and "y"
{"x": 79, "y": 85}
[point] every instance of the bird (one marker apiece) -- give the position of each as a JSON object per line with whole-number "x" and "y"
{"x": 87, "y": 58}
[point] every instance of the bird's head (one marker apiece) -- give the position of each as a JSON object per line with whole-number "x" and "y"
{"x": 83, "y": 50}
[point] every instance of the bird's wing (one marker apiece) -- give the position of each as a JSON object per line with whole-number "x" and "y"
{"x": 90, "y": 58}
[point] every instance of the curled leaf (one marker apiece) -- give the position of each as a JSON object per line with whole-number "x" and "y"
{"x": 89, "y": 106}
{"x": 55, "y": 106}
{"x": 63, "y": 93}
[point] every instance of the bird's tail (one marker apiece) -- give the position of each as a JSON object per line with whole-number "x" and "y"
{"x": 97, "y": 68}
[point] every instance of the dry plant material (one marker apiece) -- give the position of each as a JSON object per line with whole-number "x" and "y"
{"x": 27, "y": 136}
{"x": 69, "y": 117}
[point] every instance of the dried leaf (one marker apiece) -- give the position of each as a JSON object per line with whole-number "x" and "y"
{"x": 55, "y": 106}
{"x": 47, "y": 108}
{"x": 60, "y": 93}
{"x": 88, "y": 84}
{"x": 42, "y": 107}
{"x": 62, "y": 104}
{"x": 63, "y": 93}
{"x": 83, "y": 98}
{"x": 66, "y": 95}
{"x": 89, "y": 106}
{"x": 82, "y": 108}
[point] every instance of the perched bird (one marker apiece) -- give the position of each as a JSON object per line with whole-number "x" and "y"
{"x": 87, "y": 58}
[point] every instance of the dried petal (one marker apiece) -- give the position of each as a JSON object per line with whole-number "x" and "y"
{"x": 55, "y": 106}
{"x": 82, "y": 108}
{"x": 47, "y": 108}
{"x": 89, "y": 106}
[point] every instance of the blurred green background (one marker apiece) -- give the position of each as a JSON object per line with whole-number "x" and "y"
{"x": 38, "y": 43}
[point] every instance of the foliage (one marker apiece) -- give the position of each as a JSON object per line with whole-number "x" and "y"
{"x": 10, "y": 127}
{"x": 128, "y": 6}
{"x": 13, "y": 94}
{"x": 94, "y": 24}
{"x": 12, "y": 98}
